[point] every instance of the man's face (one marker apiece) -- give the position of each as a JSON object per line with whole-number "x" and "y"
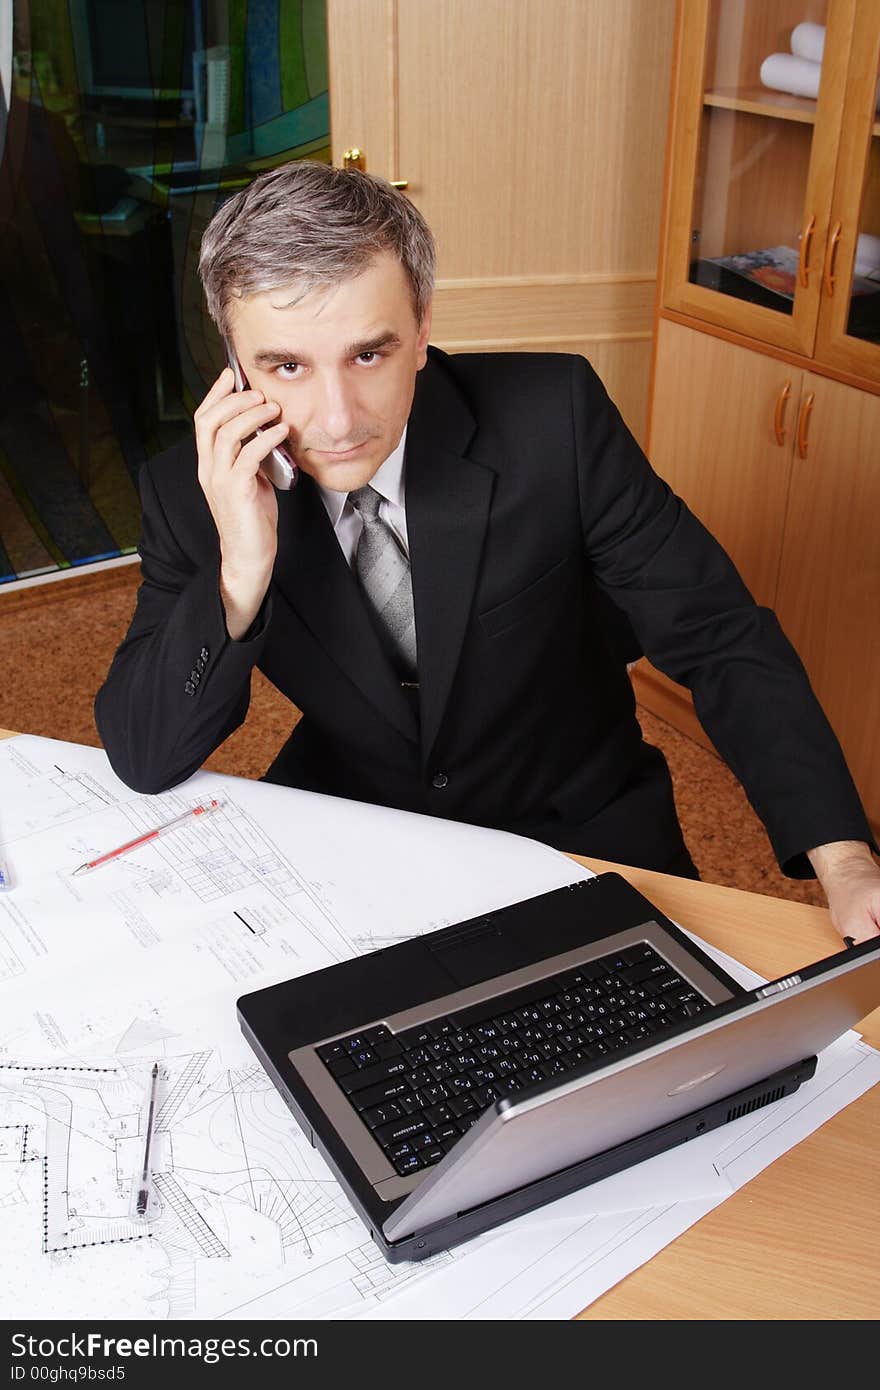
{"x": 342, "y": 365}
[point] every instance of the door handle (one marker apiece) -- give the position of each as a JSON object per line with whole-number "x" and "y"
{"x": 804, "y": 257}
{"x": 779, "y": 416}
{"x": 356, "y": 159}
{"x": 831, "y": 258}
{"x": 804, "y": 424}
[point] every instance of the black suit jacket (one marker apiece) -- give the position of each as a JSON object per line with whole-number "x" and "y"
{"x": 531, "y": 515}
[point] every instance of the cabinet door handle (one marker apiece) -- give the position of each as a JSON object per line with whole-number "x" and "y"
{"x": 804, "y": 257}
{"x": 830, "y": 259}
{"x": 804, "y": 424}
{"x": 356, "y": 159}
{"x": 779, "y": 417}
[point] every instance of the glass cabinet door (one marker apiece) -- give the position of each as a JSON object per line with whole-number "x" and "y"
{"x": 755, "y": 146}
{"x": 849, "y": 318}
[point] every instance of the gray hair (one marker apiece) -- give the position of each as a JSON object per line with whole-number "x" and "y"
{"x": 311, "y": 225}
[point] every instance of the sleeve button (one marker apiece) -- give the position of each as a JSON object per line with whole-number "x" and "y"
{"x": 439, "y": 780}
{"x": 190, "y": 688}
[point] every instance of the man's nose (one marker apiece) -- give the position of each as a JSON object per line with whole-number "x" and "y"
{"x": 336, "y": 413}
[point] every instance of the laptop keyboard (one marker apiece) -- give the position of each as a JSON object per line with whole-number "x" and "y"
{"x": 418, "y": 1091}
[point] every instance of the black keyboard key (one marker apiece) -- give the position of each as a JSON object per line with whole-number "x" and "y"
{"x": 692, "y": 1008}
{"x": 486, "y": 1032}
{"x": 329, "y": 1051}
{"x": 458, "y": 1085}
{"x": 381, "y": 1115}
{"x": 418, "y": 1057}
{"x": 378, "y": 1095}
{"x": 399, "y": 1130}
{"x": 401, "y": 1150}
{"x": 376, "y": 1034}
{"x": 440, "y": 1071}
{"x": 444, "y": 1133}
{"x": 639, "y": 952}
{"x": 645, "y": 970}
{"x": 440, "y": 1027}
{"x": 686, "y": 996}
{"x": 370, "y": 1076}
{"x": 363, "y": 1057}
{"x": 661, "y": 983}
{"x": 462, "y": 1105}
{"x": 466, "y": 1061}
{"x": 410, "y": 1104}
{"x": 341, "y": 1066}
{"x": 483, "y": 1096}
{"x": 423, "y": 1141}
{"x": 411, "y": 1163}
{"x": 415, "y": 1037}
{"x": 433, "y": 1155}
{"x": 484, "y": 1076}
{"x": 439, "y": 1114}
{"x": 387, "y": 1047}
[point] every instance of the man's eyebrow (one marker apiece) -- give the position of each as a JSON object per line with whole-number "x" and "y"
{"x": 276, "y": 357}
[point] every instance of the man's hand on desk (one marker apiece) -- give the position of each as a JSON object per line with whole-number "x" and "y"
{"x": 850, "y": 878}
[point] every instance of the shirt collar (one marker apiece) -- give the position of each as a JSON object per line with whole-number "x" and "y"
{"x": 387, "y": 481}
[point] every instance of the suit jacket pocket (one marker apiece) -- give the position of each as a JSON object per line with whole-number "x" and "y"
{"x": 534, "y": 596}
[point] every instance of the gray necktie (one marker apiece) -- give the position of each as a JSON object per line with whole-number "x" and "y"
{"x": 384, "y": 573}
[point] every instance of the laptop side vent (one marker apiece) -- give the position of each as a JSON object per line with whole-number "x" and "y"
{"x": 755, "y": 1104}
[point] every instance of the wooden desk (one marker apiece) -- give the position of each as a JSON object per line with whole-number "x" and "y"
{"x": 801, "y": 1240}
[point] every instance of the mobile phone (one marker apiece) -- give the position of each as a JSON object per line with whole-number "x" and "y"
{"x": 279, "y": 466}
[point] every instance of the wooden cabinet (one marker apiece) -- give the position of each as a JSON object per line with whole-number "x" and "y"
{"x": 828, "y": 593}
{"x": 765, "y": 412}
{"x": 531, "y": 135}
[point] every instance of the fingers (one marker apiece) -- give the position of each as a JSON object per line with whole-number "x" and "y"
{"x": 223, "y": 433}
{"x": 251, "y": 455}
{"x": 234, "y": 426}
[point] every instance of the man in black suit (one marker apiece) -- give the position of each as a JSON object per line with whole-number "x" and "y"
{"x": 436, "y": 592}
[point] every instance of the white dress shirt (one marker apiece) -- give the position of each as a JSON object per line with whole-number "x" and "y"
{"x": 388, "y": 481}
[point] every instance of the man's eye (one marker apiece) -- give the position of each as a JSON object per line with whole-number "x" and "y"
{"x": 287, "y": 368}
{"x": 373, "y": 354}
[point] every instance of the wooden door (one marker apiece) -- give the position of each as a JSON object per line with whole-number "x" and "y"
{"x": 848, "y": 335}
{"x": 531, "y": 134}
{"x": 722, "y": 433}
{"x": 752, "y": 168}
{"x": 828, "y": 598}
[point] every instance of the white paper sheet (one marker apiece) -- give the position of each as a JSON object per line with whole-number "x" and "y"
{"x": 143, "y": 960}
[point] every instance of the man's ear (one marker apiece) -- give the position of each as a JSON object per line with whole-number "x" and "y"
{"x": 424, "y": 335}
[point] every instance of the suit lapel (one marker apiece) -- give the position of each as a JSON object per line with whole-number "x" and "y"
{"x": 447, "y": 509}
{"x": 312, "y": 575}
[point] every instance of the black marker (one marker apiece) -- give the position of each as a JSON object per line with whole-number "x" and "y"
{"x": 143, "y": 1197}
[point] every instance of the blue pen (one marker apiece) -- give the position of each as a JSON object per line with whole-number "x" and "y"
{"x": 5, "y": 877}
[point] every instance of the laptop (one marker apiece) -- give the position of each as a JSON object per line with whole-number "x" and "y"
{"x": 460, "y": 1078}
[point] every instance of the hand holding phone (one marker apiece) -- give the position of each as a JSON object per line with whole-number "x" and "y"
{"x": 279, "y": 465}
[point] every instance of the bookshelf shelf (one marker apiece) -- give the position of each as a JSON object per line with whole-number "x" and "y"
{"x": 759, "y": 101}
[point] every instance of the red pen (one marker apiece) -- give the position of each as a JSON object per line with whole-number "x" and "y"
{"x": 145, "y": 839}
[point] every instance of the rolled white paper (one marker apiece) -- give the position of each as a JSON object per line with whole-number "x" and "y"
{"x": 786, "y": 73}
{"x": 808, "y": 41}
